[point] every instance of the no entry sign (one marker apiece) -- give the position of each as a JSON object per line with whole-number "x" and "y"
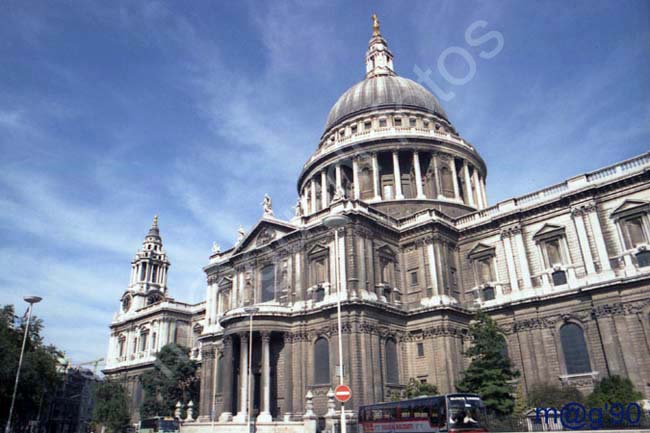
{"x": 342, "y": 393}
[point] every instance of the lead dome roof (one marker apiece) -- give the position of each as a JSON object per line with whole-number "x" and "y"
{"x": 383, "y": 91}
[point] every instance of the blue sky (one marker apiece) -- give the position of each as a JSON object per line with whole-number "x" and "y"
{"x": 111, "y": 112}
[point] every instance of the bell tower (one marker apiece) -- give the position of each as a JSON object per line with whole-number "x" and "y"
{"x": 149, "y": 267}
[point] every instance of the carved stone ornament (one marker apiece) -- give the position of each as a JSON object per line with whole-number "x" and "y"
{"x": 265, "y": 236}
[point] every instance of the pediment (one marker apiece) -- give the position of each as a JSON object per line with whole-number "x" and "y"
{"x": 264, "y": 232}
{"x": 629, "y": 207}
{"x": 387, "y": 251}
{"x": 480, "y": 250}
{"x": 225, "y": 281}
{"x": 548, "y": 231}
{"x": 318, "y": 249}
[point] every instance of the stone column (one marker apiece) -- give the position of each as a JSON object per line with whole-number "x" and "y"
{"x": 484, "y": 192}
{"x": 375, "y": 177}
{"x": 243, "y": 378}
{"x": 207, "y": 379}
{"x": 355, "y": 177}
{"x": 314, "y": 206}
{"x": 323, "y": 189}
{"x": 432, "y": 269}
{"x": 468, "y": 185}
{"x": 303, "y": 201}
{"x": 523, "y": 259}
{"x": 436, "y": 176}
{"x": 477, "y": 188}
{"x": 603, "y": 256}
{"x": 226, "y": 387}
{"x": 510, "y": 262}
{"x": 579, "y": 223}
{"x": 455, "y": 179}
{"x": 418, "y": 175}
{"x": 398, "y": 176}
{"x": 339, "y": 184}
{"x": 265, "y": 414}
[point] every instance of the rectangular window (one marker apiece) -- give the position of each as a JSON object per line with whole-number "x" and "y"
{"x": 382, "y": 123}
{"x": 412, "y": 122}
{"x": 353, "y": 129}
{"x": 414, "y": 278}
{"x": 553, "y": 252}
{"x": 634, "y": 232}
{"x": 420, "y": 349}
{"x": 367, "y": 125}
{"x": 425, "y": 123}
{"x": 398, "y": 121}
{"x": 485, "y": 270}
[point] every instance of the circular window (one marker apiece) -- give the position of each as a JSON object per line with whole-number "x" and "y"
{"x": 126, "y": 303}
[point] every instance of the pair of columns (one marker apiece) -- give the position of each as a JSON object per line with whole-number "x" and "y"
{"x": 245, "y": 374}
{"x": 579, "y": 214}
{"x": 513, "y": 242}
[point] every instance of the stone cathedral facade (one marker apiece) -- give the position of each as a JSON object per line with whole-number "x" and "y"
{"x": 565, "y": 270}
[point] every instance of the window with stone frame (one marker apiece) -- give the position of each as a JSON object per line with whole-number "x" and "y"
{"x": 633, "y": 223}
{"x": 574, "y": 348}
{"x": 267, "y": 283}
{"x": 387, "y": 270}
{"x": 392, "y": 367}
{"x": 318, "y": 260}
{"x": 122, "y": 346}
{"x": 551, "y": 241}
{"x": 488, "y": 294}
{"x": 144, "y": 339}
{"x": 321, "y": 361}
{"x": 482, "y": 257}
{"x": 446, "y": 179}
{"x": 366, "y": 181}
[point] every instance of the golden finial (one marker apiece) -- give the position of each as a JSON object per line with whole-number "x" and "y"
{"x": 375, "y": 25}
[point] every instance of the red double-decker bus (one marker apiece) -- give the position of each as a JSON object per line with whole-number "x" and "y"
{"x": 449, "y": 413}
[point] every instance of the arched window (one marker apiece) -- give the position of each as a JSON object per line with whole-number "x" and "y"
{"x": 268, "y": 283}
{"x": 321, "y": 361}
{"x": 576, "y": 357}
{"x": 392, "y": 373}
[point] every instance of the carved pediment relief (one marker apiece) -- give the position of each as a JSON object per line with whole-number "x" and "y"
{"x": 264, "y": 232}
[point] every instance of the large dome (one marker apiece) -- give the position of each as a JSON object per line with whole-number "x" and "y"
{"x": 383, "y": 91}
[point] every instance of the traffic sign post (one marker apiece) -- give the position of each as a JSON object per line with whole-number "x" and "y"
{"x": 343, "y": 393}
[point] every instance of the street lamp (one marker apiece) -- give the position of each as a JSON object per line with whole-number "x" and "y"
{"x": 31, "y": 300}
{"x": 250, "y": 311}
{"x": 336, "y": 222}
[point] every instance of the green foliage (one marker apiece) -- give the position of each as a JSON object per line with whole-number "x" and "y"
{"x": 172, "y": 379}
{"x": 613, "y": 389}
{"x": 520, "y": 402}
{"x": 111, "y": 407}
{"x": 38, "y": 376}
{"x": 415, "y": 388}
{"x": 548, "y": 395}
{"x": 490, "y": 370}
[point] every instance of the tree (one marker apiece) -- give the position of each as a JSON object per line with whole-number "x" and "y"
{"x": 172, "y": 379}
{"x": 415, "y": 388}
{"x": 613, "y": 389}
{"x": 111, "y": 407}
{"x": 490, "y": 369}
{"x": 549, "y": 395}
{"x": 520, "y": 402}
{"x": 39, "y": 376}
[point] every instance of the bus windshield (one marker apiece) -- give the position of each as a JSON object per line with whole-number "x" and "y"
{"x": 465, "y": 412}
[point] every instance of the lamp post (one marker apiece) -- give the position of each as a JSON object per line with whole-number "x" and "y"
{"x": 336, "y": 222}
{"x": 31, "y": 300}
{"x": 250, "y": 311}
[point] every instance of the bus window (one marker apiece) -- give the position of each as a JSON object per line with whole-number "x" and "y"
{"x": 377, "y": 415}
{"x": 442, "y": 413}
{"x": 434, "y": 419}
{"x": 405, "y": 412}
{"x": 421, "y": 412}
